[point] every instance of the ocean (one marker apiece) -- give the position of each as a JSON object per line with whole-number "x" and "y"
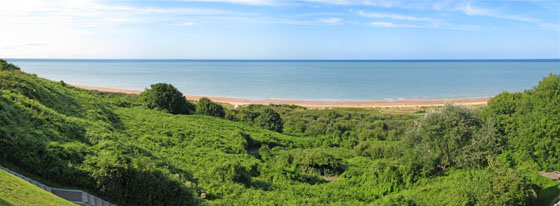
{"x": 315, "y": 80}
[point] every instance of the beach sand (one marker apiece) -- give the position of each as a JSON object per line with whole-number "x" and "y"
{"x": 238, "y": 101}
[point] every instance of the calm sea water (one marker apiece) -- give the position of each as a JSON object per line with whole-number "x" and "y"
{"x": 356, "y": 80}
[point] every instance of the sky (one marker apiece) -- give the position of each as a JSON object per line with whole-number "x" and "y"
{"x": 280, "y": 29}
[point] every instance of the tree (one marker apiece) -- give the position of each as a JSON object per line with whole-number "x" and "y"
{"x": 452, "y": 136}
{"x": 208, "y": 107}
{"x": 530, "y": 121}
{"x": 271, "y": 120}
{"x": 166, "y": 97}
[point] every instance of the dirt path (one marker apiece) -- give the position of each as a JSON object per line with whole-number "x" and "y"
{"x": 552, "y": 175}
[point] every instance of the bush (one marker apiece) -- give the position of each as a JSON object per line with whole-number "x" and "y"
{"x": 452, "y": 136}
{"x": 271, "y": 120}
{"x": 4, "y": 65}
{"x": 208, "y": 107}
{"x": 166, "y": 97}
{"x": 530, "y": 122}
{"x": 320, "y": 163}
{"x": 498, "y": 185}
{"x": 125, "y": 184}
{"x": 233, "y": 172}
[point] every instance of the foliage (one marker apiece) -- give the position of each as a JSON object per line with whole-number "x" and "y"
{"x": 4, "y": 65}
{"x": 166, "y": 97}
{"x": 112, "y": 146}
{"x": 319, "y": 162}
{"x": 530, "y": 121}
{"x": 342, "y": 126}
{"x": 452, "y": 136}
{"x": 270, "y": 119}
{"x": 208, "y": 107}
{"x": 233, "y": 172}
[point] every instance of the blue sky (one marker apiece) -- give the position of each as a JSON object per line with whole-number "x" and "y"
{"x": 274, "y": 29}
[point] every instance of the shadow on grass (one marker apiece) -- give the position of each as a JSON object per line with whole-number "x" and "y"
{"x": 4, "y": 203}
{"x": 547, "y": 195}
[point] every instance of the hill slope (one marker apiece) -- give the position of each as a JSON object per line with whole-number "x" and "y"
{"x": 114, "y": 147}
{"x": 15, "y": 191}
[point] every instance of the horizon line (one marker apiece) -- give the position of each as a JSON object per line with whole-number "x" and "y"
{"x": 208, "y": 59}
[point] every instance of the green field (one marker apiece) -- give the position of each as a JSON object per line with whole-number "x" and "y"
{"x": 115, "y": 147}
{"x": 15, "y": 191}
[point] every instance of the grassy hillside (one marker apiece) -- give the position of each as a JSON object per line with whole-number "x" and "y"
{"x": 15, "y": 191}
{"x": 113, "y": 146}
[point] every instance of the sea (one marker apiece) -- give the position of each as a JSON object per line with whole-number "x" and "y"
{"x": 388, "y": 80}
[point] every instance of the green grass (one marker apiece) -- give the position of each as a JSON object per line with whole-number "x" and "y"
{"x": 113, "y": 147}
{"x": 15, "y": 191}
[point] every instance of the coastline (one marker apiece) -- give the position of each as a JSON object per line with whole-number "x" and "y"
{"x": 238, "y": 101}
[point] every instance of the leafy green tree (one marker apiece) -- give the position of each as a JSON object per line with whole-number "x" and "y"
{"x": 271, "y": 120}
{"x": 208, "y": 107}
{"x": 4, "y": 65}
{"x": 452, "y": 136}
{"x": 166, "y": 97}
{"x": 531, "y": 122}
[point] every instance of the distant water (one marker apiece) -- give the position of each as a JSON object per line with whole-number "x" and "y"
{"x": 355, "y": 80}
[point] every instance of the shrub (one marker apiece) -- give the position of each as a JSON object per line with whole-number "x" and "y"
{"x": 208, "y": 107}
{"x": 498, "y": 185}
{"x": 4, "y": 65}
{"x": 319, "y": 162}
{"x": 452, "y": 136}
{"x": 166, "y": 97}
{"x": 125, "y": 184}
{"x": 271, "y": 120}
{"x": 233, "y": 172}
{"x": 530, "y": 121}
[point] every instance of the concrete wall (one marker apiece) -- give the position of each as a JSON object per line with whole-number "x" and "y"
{"x": 75, "y": 196}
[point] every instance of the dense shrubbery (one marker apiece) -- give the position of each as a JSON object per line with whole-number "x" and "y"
{"x": 342, "y": 127}
{"x": 233, "y": 172}
{"x": 270, "y": 119}
{"x": 120, "y": 181}
{"x": 166, "y": 97}
{"x": 452, "y": 136}
{"x": 112, "y": 146}
{"x": 530, "y": 121}
{"x": 499, "y": 185}
{"x": 320, "y": 163}
{"x": 8, "y": 66}
{"x": 208, "y": 107}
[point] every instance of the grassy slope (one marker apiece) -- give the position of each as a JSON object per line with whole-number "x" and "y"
{"x": 15, "y": 191}
{"x": 79, "y": 127}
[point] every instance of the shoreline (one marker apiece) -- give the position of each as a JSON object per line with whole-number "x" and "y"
{"x": 238, "y": 101}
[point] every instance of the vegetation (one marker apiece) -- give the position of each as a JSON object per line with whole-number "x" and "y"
{"x": 6, "y": 66}
{"x": 452, "y": 136}
{"x": 166, "y": 97}
{"x": 114, "y": 147}
{"x": 15, "y": 191}
{"x": 208, "y": 107}
{"x": 530, "y": 123}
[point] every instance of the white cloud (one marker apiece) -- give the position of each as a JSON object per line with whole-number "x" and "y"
{"x": 393, "y": 16}
{"x": 248, "y": 2}
{"x": 470, "y": 10}
{"x": 390, "y": 24}
{"x": 332, "y": 20}
{"x": 188, "y": 23}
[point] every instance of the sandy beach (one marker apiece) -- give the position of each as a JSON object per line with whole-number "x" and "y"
{"x": 315, "y": 103}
